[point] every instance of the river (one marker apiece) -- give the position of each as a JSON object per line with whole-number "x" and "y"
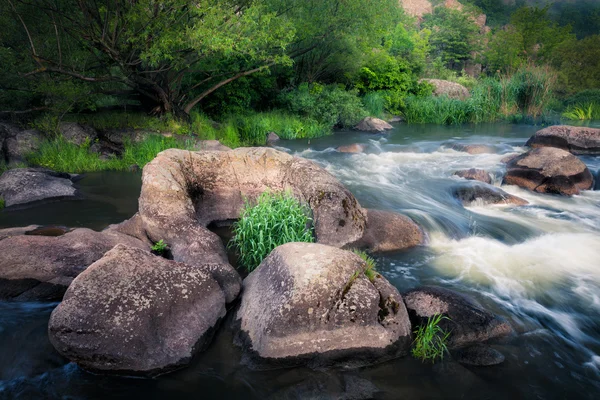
{"x": 537, "y": 265}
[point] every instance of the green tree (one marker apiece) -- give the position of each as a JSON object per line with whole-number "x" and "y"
{"x": 454, "y": 36}
{"x": 170, "y": 54}
{"x": 577, "y": 63}
{"x": 505, "y": 51}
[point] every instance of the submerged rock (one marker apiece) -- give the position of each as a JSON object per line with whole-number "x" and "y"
{"x": 549, "y": 170}
{"x": 26, "y": 185}
{"x": 474, "y": 148}
{"x": 467, "y": 321}
{"x": 475, "y": 174}
{"x": 35, "y": 267}
{"x": 478, "y": 355}
{"x": 389, "y": 231}
{"x": 137, "y": 314}
{"x": 312, "y": 304}
{"x": 370, "y": 124}
{"x": 272, "y": 137}
{"x": 351, "y": 148}
{"x": 575, "y": 139}
{"x": 486, "y": 194}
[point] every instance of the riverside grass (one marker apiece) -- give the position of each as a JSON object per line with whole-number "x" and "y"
{"x": 583, "y": 112}
{"x": 527, "y": 92}
{"x": 274, "y": 219}
{"x": 430, "y": 340}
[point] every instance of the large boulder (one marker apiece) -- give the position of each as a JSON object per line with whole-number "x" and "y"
{"x": 77, "y": 134}
{"x": 26, "y": 185}
{"x": 389, "y": 231}
{"x": 20, "y": 144}
{"x": 576, "y": 139}
{"x": 135, "y": 313}
{"x": 467, "y": 321}
{"x": 474, "y": 174}
{"x": 481, "y": 194}
{"x": 371, "y": 124}
{"x": 549, "y": 170}
{"x": 447, "y": 88}
{"x": 37, "y": 267}
{"x": 312, "y": 304}
{"x": 183, "y": 192}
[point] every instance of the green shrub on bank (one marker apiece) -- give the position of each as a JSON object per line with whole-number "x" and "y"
{"x": 330, "y": 105}
{"x": 275, "y": 219}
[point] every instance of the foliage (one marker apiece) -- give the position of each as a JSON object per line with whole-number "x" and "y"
{"x": 585, "y": 96}
{"x": 505, "y": 51}
{"x": 530, "y": 88}
{"x": 371, "y": 269}
{"x": 160, "y": 247}
{"x": 374, "y": 103}
{"x": 454, "y": 36}
{"x": 2, "y": 203}
{"x": 330, "y": 105}
{"x": 577, "y": 63}
{"x": 275, "y": 219}
{"x": 583, "y": 112}
{"x": 430, "y": 340}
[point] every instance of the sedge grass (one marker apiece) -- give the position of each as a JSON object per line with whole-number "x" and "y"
{"x": 371, "y": 269}
{"x": 274, "y": 219}
{"x": 430, "y": 340}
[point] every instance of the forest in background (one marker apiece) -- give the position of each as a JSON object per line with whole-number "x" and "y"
{"x": 234, "y": 70}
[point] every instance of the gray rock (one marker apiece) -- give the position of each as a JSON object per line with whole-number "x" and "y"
{"x": 576, "y": 139}
{"x": 21, "y": 144}
{"x": 447, "y": 88}
{"x": 312, "y": 304}
{"x": 135, "y": 313}
{"x": 475, "y": 174}
{"x": 26, "y": 185}
{"x": 272, "y": 137}
{"x": 211, "y": 145}
{"x": 35, "y": 267}
{"x": 474, "y": 148}
{"x": 549, "y": 170}
{"x": 77, "y": 134}
{"x": 183, "y": 192}
{"x": 478, "y": 355}
{"x": 389, "y": 231}
{"x": 375, "y": 125}
{"x": 481, "y": 194}
{"x": 467, "y": 321}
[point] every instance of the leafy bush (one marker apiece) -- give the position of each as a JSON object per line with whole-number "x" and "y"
{"x": 430, "y": 340}
{"x": 275, "y": 219}
{"x": 330, "y": 105}
{"x": 584, "y": 97}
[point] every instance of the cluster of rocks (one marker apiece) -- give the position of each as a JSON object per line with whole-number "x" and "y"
{"x": 127, "y": 311}
{"x": 551, "y": 166}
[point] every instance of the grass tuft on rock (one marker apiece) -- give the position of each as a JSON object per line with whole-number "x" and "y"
{"x": 274, "y": 219}
{"x": 430, "y": 340}
{"x": 371, "y": 270}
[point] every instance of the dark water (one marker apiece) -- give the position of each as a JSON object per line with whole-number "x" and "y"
{"x": 538, "y": 266}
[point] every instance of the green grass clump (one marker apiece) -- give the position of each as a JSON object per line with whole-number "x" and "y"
{"x": 374, "y": 103}
{"x": 2, "y": 203}
{"x": 583, "y": 112}
{"x": 275, "y": 219}
{"x": 430, "y": 340}
{"x": 371, "y": 270}
{"x": 160, "y": 247}
{"x": 60, "y": 155}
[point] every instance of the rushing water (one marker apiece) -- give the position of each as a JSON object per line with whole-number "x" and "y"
{"x": 536, "y": 265}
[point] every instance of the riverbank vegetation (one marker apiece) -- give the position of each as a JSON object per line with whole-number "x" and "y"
{"x": 237, "y": 72}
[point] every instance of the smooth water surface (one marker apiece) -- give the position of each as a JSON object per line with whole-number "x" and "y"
{"x": 536, "y": 265}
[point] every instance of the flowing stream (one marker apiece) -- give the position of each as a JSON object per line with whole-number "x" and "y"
{"x": 536, "y": 265}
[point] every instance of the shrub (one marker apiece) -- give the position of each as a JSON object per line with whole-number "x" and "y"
{"x": 330, "y": 105}
{"x": 430, "y": 340}
{"x": 275, "y": 219}
{"x": 584, "y": 97}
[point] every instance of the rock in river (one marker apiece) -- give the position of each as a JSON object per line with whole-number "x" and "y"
{"x": 312, "y": 304}
{"x": 34, "y": 267}
{"x": 389, "y": 231}
{"x": 474, "y": 174}
{"x": 468, "y": 322}
{"x": 137, "y": 314}
{"x": 351, "y": 148}
{"x": 576, "y": 139}
{"x": 479, "y": 193}
{"x": 26, "y": 185}
{"x": 371, "y": 124}
{"x": 549, "y": 170}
